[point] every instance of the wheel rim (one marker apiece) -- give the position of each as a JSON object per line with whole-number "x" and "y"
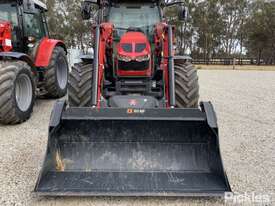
{"x": 62, "y": 73}
{"x": 23, "y": 92}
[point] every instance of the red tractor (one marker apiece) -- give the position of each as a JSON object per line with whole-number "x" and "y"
{"x": 30, "y": 62}
{"x": 134, "y": 56}
{"x": 133, "y": 126}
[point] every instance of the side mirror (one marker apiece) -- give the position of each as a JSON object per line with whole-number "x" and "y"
{"x": 31, "y": 39}
{"x": 29, "y": 6}
{"x": 183, "y": 13}
{"x": 86, "y": 8}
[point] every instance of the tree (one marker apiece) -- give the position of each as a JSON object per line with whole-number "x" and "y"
{"x": 183, "y": 29}
{"x": 208, "y": 25}
{"x": 260, "y": 29}
{"x": 233, "y": 14}
{"x": 215, "y": 28}
{"x": 65, "y": 22}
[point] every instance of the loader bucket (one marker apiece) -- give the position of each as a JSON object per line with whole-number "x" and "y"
{"x": 120, "y": 152}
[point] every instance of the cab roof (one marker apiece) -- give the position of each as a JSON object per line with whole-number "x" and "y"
{"x": 101, "y": 2}
{"x": 40, "y": 4}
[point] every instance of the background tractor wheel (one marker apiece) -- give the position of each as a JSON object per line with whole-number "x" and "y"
{"x": 56, "y": 76}
{"x": 80, "y": 85}
{"x": 17, "y": 92}
{"x": 187, "y": 84}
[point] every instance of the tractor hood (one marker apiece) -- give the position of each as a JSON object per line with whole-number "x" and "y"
{"x": 134, "y": 55}
{"x": 134, "y": 45}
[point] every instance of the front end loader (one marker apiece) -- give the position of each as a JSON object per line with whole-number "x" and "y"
{"x": 132, "y": 125}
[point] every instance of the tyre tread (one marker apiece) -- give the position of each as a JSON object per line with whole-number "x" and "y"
{"x": 8, "y": 73}
{"x": 80, "y": 85}
{"x": 186, "y": 85}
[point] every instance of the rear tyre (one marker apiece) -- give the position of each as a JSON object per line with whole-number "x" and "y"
{"x": 17, "y": 92}
{"x": 80, "y": 85}
{"x": 186, "y": 84}
{"x": 56, "y": 76}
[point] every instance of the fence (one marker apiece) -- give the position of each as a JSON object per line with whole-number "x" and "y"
{"x": 228, "y": 61}
{"x": 73, "y": 56}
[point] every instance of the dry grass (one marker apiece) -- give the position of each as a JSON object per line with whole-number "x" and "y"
{"x": 230, "y": 67}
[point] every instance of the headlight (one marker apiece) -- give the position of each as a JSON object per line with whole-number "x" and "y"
{"x": 143, "y": 58}
{"x": 123, "y": 58}
{"x": 30, "y": 45}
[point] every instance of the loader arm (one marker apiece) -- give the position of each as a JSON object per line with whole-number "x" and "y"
{"x": 164, "y": 39}
{"x": 103, "y": 37}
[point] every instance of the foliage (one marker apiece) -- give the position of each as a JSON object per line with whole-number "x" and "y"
{"x": 65, "y": 22}
{"x": 215, "y": 28}
{"x": 260, "y": 29}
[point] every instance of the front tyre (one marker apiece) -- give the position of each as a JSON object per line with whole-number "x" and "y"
{"x": 56, "y": 75}
{"x": 80, "y": 85}
{"x": 17, "y": 92}
{"x": 186, "y": 84}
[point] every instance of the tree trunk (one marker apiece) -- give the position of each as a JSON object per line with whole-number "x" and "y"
{"x": 259, "y": 57}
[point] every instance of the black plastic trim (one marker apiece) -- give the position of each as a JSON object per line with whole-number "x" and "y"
{"x": 171, "y": 69}
{"x": 95, "y": 71}
{"x": 17, "y": 55}
{"x": 56, "y": 114}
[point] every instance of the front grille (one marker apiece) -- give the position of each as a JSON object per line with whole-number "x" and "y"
{"x": 140, "y": 47}
{"x": 127, "y": 47}
{"x": 133, "y": 65}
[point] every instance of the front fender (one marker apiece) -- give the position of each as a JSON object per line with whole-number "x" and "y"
{"x": 45, "y": 50}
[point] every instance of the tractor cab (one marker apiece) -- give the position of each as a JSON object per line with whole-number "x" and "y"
{"x": 27, "y": 29}
{"x": 133, "y": 36}
{"x": 142, "y": 17}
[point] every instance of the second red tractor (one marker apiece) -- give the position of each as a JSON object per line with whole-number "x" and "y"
{"x": 30, "y": 62}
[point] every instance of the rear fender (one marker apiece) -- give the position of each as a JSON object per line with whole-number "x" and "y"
{"x": 88, "y": 58}
{"x": 45, "y": 50}
{"x": 17, "y": 56}
{"x": 183, "y": 57}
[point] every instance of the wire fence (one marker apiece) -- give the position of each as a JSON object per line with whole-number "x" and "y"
{"x": 231, "y": 61}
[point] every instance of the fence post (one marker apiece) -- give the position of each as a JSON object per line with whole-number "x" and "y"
{"x": 234, "y": 63}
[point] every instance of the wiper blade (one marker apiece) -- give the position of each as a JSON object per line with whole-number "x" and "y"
{"x": 121, "y": 28}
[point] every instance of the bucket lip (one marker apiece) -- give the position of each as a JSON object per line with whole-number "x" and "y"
{"x": 133, "y": 114}
{"x": 205, "y": 194}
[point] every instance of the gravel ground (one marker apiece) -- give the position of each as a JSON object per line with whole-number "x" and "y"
{"x": 245, "y": 105}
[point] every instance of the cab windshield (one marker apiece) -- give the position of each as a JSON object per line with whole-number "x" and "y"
{"x": 8, "y": 12}
{"x": 130, "y": 16}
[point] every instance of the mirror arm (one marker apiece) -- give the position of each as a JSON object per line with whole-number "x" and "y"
{"x": 100, "y": 3}
{"x": 91, "y": 2}
{"x": 174, "y": 3}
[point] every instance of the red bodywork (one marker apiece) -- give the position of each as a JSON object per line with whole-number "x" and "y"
{"x": 161, "y": 39}
{"x": 5, "y": 36}
{"x": 133, "y": 39}
{"x": 45, "y": 50}
{"x": 105, "y": 45}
